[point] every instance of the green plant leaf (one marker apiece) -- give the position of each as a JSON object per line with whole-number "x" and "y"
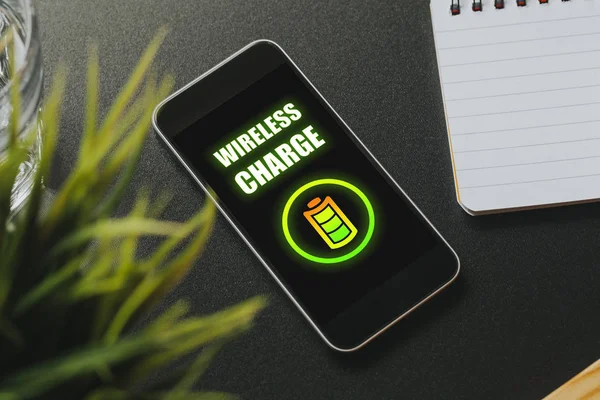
{"x": 50, "y": 118}
{"x": 43, "y": 377}
{"x": 180, "y": 265}
{"x": 129, "y": 245}
{"x": 129, "y": 307}
{"x": 154, "y": 286}
{"x": 9, "y": 168}
{"x": 101, "y": 287}
{"x": 8, "y": 173}
{"x": 8, "y": 396}
{"x": 104, "y": 258}
{"x": 89, "y": 130}
{"x": 192, "y": 333}
{"x": 25, "y": 248}
{"x": 203, "y": 218}
{"x": 75, "y": 188}
{"x": 109, "y": 394}
{"x": 126, "y": 153}
{"x": 72, "y": 284}
{"x": 9, "y": 331}
{"x": 160, "y": 204}
{"x": 134, "y": 81}
{"x": 196, "y": 370}
{"x": 169, "y": 317}
{"x": 49, "y": 285}
{"x": 114, "y": 228}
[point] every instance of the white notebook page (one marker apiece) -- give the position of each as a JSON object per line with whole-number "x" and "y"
{"x": 521, "y": 90}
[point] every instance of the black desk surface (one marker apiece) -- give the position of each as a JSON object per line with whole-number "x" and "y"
{"x": 523, "y": 317}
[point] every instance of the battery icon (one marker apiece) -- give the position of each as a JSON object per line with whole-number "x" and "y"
{"x": 330, "y": 222}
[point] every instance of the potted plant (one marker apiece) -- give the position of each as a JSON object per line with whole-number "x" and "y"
{"x": 72, "y": 283}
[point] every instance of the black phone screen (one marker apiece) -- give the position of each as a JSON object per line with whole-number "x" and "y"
{"x": 316, "y": 207}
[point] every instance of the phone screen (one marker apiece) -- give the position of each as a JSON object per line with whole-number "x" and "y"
{"x": 314, "y": 205}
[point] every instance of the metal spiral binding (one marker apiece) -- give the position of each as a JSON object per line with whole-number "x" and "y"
{"x": 477, "y": 5}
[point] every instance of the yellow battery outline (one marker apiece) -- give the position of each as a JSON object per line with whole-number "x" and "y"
{"x": 330, "y": 222}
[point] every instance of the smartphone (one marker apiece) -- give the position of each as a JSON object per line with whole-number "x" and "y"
{"x": 332, "y": 227}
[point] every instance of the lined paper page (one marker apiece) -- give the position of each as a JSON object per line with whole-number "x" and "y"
{"x": 521, "y": 90}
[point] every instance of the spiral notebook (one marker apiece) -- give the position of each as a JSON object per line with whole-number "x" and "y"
{"x": 521, "y": 87}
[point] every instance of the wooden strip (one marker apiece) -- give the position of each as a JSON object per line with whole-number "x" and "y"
{"x": 584, "y": 386}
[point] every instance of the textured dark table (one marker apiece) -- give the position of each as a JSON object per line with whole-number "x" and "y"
{"x": 523, "y": 317}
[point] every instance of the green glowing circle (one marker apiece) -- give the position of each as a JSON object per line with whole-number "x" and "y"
{"x": 328, "y": 260}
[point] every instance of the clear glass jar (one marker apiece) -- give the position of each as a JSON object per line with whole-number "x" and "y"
{"x": 19, "y": 16}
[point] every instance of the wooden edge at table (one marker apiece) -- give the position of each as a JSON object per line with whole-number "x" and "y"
{"x": 583, "y": 386}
